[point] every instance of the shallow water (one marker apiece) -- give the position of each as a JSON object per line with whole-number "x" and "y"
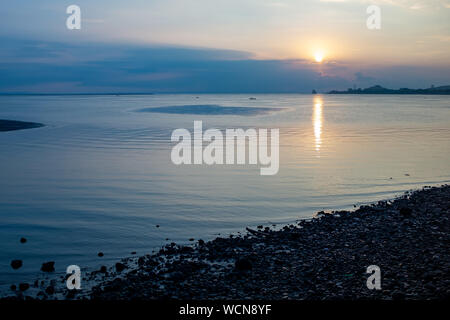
{"x": 98, "y": 176}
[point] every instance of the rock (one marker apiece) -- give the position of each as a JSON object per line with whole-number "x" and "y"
{"x": 201, "y": 242}
{"x": 24, "y": 286}
{"x": 23, "y": 240}
{"x": 243, "y": 264}
{"x": 177, "y": 276}
{"x": 133, "y": 252}
{"x": 103, "y": 269}
{"x": 186, "y": 249}
{"x": 16, "y": 264}
{"x": 397, "y": 295}
{"x": 120, "y": 267}
{"x": 405, "y": 211}
{"x": 13, "y": 287}
{"x": 48, "y": 266}
{"x": 191, "y": 239}
{"x": 100, "y": 254}
{"x": 50, "y": 290}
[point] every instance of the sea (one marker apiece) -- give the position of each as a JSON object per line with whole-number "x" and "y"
{"x": 99, "y": 177}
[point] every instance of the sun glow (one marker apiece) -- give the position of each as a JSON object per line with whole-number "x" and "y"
{"x": 318, "y": 56}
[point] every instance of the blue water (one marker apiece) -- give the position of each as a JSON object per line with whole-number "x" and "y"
{"x": 98, "y": 176}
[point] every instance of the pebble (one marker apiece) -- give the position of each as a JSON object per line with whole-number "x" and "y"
{"x": 16, "y": 264}
{"x": 48, "y": 266}
{"x": 120, "y": 267}
{"x": 24, "y": 286}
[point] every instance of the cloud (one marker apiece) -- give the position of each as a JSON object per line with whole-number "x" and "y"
{"x": 54, "y": 67}
{"x": 361, "y": 78}
{"x": 411, "y": 4}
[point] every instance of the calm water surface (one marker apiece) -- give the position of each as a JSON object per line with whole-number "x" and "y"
{"x": 98, "y": 177}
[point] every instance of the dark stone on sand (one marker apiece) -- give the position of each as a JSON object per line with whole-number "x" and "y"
{"x": 23, "y": 240}
{"x": 133, "y": 252}
{"x": 24, "y": 286}
{"x": 186, "y": 249}
{"x": 405, "y": 211}
{"x": 243, "y": 264}
{"x": 100, "y": 254}
{"x": 120, "y": 267}
{"x": 50, "y": 290}
{"x": 13, "y": 287}
{"x": 48, "y": 266}
{"x": 103, "y": 269}
{"x": 10, "y": 125}
{"x": 16, "y": 264}
{"x": 201, "y": 242}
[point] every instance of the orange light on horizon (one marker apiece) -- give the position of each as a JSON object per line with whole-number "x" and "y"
{"x": 318, "y": 56}
{"x": 317, "y": 122}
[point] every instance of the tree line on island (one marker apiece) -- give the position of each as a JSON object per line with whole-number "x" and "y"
{"x": 380, "y": 90}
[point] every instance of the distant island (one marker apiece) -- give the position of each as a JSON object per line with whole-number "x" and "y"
{"x": 380, "y": 90}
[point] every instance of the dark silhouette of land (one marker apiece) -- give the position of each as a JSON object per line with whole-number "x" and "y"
{"x": 10, "y": 125}
{"x": 380, "y": 90}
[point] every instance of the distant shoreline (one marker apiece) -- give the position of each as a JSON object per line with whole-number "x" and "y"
{"x": 442, "y": 90}
{"x": 11, "y": 125}
{"x": 74, "y": 94}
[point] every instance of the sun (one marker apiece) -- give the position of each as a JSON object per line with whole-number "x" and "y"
{"x": 318, "y": 56}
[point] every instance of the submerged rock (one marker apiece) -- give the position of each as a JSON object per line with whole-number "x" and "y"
{"x": 24, "y": 286}
{"x": 50, "y": 290}
{"x": 48, "y": 266}
{"x": 120, "y": 267}
{"x": 16, "y": 264}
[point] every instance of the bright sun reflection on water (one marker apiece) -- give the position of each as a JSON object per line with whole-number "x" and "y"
{"x": 317, "y": 122}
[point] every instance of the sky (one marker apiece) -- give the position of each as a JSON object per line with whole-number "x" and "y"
{"x": 216, "y": 46}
